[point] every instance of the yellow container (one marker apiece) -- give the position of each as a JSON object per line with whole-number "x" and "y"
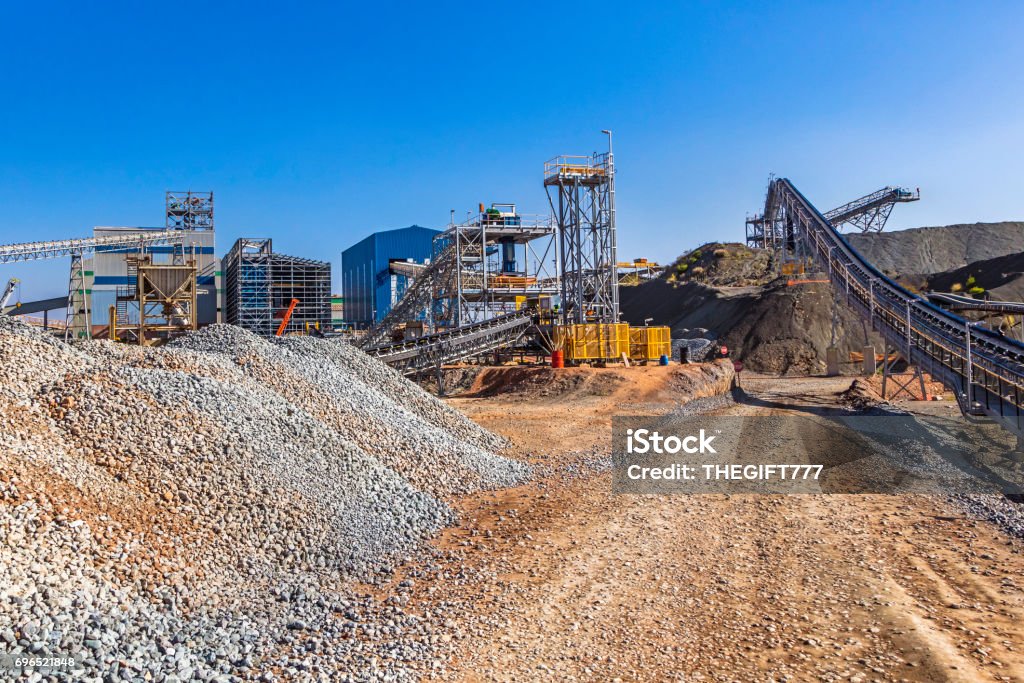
{"x": 595, "y": 341}
{"x": 649, "y": 343}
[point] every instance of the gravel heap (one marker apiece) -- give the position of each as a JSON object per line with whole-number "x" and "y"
{"x": 200, "y": 510}
{"x": 432, "y": 446}
{"x": 699, "y": 349}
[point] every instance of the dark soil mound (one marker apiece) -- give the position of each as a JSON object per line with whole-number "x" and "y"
{"x": 999, "y": 277}
{"x": 938, "y": 249}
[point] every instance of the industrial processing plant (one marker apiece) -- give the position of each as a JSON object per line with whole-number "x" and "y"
{"x": 509, "y": 342}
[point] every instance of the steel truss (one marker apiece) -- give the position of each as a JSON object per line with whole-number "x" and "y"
{"x": 871, "y": 212}
{"x": 867, "y": 214}
{"x": 189, "y": 210}
{"x": 34, "y": 251}
{"x": 985, "y": 369}
{"x": 581, "y": 192}
{"x": 436, "y": 280}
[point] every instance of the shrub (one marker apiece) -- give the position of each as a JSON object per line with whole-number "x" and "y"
{"x": 970, "y": 281}
{"x": 682, "y": 267}
{"x": 975, "y": 291}
{"x": 720, "y": 253}
{"x": 697, "y": 272}
{"x": 957, "y": 287}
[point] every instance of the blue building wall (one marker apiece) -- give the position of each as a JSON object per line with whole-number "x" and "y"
{"x": 367, "y": 284}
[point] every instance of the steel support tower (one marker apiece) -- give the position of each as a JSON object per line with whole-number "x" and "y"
{"x": 581, "y": 191}
{"x": 189, "y": 210}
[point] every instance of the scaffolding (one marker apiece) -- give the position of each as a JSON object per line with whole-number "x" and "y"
{"x": 308, "y": 281}
{"x": 189, "y": 210}
{"x": 259, "y": 286}
{"x": 581, "y": 191}
{"x": 503, "y": 260}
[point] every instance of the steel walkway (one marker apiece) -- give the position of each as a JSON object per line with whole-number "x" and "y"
{"x": 985, "y": 369}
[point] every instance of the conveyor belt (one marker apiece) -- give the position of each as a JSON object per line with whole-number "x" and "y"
{"x": 462, "y": 342}
{"x": 985, "y": 369}
{"x": 32, "y": 251}
{"x": 955, "y": 302}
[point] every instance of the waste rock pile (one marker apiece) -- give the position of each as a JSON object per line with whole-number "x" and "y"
{"x": 188, "y": 511}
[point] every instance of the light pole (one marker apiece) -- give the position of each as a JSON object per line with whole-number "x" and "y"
{"x": 613, "y": 266}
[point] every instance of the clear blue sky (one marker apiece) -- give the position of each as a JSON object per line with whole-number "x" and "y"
{"x": 317, "y": 124}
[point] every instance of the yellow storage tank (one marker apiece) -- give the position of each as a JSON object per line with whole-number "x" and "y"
{"x": 649, "y": 343}
{"x": 595, "y": 341}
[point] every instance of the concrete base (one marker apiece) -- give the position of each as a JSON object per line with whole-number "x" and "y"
{"x": 870, "y": 364}
{"x": 832, "y": 361}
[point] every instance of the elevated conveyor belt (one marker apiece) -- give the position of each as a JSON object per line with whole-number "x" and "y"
{"x": 462, "y": 342}
{"x": 985, "y": 370}
{"x": 955, "y": 302}
{"x": 33, "y": 251}
{"x": 416, "y": 299}
{"x": 871, "y": 212}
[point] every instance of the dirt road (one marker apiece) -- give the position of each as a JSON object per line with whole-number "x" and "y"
{"x": 564, "y": 581}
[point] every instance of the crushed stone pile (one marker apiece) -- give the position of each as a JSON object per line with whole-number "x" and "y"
{"x": 197, "y": 510}
{"x": 698, "y": 350}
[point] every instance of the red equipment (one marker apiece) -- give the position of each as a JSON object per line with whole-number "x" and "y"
{"x": 287, "y": 317}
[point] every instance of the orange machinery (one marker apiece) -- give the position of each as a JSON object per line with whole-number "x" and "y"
{"x": 287, "y": 317}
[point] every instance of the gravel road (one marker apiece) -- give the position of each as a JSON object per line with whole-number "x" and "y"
{"x": 578, "y": 584}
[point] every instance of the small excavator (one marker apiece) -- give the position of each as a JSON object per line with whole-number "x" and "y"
{"x": 8, "y": 293}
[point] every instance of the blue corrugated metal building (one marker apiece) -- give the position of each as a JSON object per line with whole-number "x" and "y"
{"x": 367, "y": 283}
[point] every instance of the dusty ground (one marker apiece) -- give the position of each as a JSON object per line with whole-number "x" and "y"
{"x": 563, "y": 581}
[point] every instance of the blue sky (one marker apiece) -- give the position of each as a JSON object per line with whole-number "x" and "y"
{"x": 316, "y": 124}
